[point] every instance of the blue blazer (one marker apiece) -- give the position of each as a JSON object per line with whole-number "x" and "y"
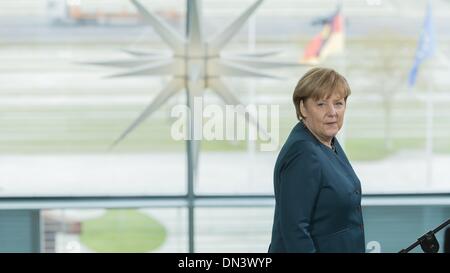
{"x": 317, "y": 198}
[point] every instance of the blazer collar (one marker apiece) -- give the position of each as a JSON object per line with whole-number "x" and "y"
{"x": 305, "y": 134}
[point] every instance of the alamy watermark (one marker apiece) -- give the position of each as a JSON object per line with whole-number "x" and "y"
{"x": 234, "y": 123}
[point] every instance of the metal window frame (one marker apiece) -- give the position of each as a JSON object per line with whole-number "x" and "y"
{"x": 199, "y": 201}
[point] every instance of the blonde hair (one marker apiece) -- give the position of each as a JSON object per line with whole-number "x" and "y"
{"x": 319, "y": 83}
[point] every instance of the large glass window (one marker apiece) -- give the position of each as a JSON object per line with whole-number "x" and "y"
{"x": 62, "y": 117}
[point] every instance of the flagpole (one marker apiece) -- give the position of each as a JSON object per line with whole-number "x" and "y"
{"x": 342, "y": 136}
{"x": 426, "y": 49}
{"x": 429, "y": 135}
{"x": 430, "y": 113}
{"x": 344, "y": 68}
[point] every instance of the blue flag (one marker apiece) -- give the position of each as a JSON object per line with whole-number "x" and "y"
{"x": 426, "y": 46}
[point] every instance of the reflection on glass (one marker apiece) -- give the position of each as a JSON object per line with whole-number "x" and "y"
{"x": 114, "y": 230}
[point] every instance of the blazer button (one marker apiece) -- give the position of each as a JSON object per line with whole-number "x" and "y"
{"x": 356, "y": 192}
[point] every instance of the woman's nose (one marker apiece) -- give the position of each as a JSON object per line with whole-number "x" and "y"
{"x": 331, "y": 110}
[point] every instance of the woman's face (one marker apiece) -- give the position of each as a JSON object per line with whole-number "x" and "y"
{"x": 324, "y": 117}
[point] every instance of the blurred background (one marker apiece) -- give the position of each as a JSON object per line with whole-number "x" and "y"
{"x": 63, "y": 190}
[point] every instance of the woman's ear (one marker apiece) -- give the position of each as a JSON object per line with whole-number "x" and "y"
{"x": 302, "y": 109}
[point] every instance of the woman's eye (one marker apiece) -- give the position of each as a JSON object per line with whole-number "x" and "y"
{"x": 321, "y": 104}
{"x": 340, "y": 103}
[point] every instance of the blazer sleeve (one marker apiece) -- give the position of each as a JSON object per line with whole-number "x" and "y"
{"x": 300, "y": 179}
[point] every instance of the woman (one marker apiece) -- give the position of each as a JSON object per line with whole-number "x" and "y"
{"x": 317, "y": 193}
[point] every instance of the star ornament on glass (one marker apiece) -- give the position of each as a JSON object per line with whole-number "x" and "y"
{"x": 195, "y": 63}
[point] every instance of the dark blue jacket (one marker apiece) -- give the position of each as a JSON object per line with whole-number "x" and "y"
{"x": 318, "y": 198}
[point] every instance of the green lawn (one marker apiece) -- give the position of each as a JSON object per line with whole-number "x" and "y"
{"x": 375, "y": 149}
{"x": 79, "y": 129}
{"x": 123, "y": 231}
{"x": 83, "y": 135}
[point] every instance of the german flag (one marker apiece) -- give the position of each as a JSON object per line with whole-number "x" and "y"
{"x": 329, "y": 41}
